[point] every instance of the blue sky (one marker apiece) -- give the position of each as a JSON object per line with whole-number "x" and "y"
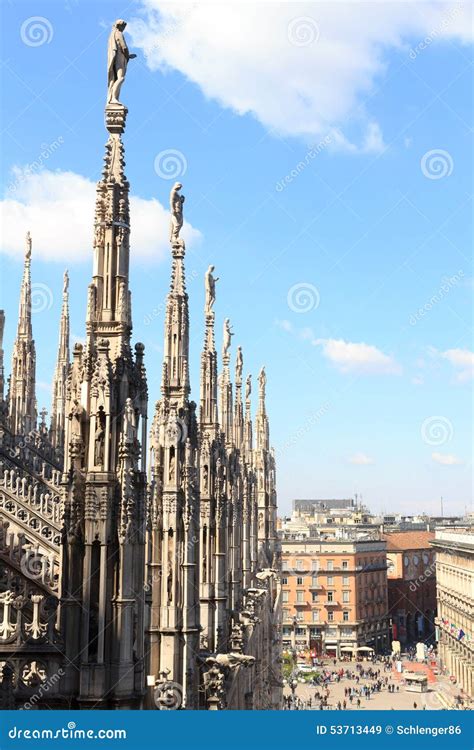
{"x": 327, "y": 168}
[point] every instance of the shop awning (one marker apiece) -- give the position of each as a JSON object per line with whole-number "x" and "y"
{"x": 364, "y": 648}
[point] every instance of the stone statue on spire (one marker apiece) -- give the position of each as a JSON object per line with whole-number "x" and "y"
{"x": 118, "y": 56}
{"x": 248, "y": 387}
{"x": 262, "y": 381}
{"x": 65, "y": 281}
{"x": 210, "y": 282}
{"x": 176, "y": 207}
{"x": 239, "y": 363}
{"x": 28, "y": 246}
{"x": 228, "y": 333}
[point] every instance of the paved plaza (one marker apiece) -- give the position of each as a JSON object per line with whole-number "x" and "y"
{"x": 441, "y": 693}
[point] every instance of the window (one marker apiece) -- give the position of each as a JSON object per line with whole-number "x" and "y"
{"x": 300, "y": 597}
{"x": 314, "y": 596}
{"x": 286, "y": 630}
{"x": 284, "y": 565}
{"x": 345, "y": 616}
{"x": 299, "y": 581}
{"x": 299, "y": 565}
{"x": 345, "y": 564}
{"x": 285, "y": 595}
{"x": 330, "y": 616}
{"x": 300, "y": 631}
{"x": 284, "y": 581}
{"x": 346, "y": 596}
{"x": 314, "y": 565}
{"x": 330, "y": 596}
{"x": 330, "y": 565}
{"x": 345, "y": 580}
{"x": 330, "y": 580}
{"x": 314, "y": 581}
{"x": 315, "y": 616}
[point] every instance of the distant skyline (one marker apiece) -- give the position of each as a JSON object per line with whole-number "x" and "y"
{"x": 327, "y": 168}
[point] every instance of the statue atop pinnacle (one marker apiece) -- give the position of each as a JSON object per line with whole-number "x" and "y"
{"x": 118, "y": 56}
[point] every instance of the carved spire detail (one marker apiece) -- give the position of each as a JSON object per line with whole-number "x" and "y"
{"x": 58, "y": 404}
{"x": 22, "y": 398}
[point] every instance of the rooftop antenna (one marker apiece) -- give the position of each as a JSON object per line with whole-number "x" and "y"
{"x": 441, "y": 507}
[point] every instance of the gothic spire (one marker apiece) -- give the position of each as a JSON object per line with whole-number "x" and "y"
{"x": 22, "y": 399}
{"x": 248, "y": 439}
{"x": 238, "y": 412}
{"x": 58, "y": 405}
{"x": 226, "y": 411}
{"x": 109, "y": 303}
{"x": 175, "y": 380}
{"x": 208, "y": 411}
{"x": 261, "y": 422}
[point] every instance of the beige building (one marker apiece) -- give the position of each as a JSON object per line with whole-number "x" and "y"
{"x": 455, "y": 592}
{"x": 334, "y": 595}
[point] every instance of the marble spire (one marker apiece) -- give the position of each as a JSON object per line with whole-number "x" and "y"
{"x": 22, "y": 397}
{"x": 58, "y": 404}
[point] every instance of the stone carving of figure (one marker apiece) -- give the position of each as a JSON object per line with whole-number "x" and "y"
{"x": 117, "y": 60}
{"x": 227, "y": 337}
{"x": 210, "y": 283}
{"x": 99, "y": 437}
{"x": 176, "y": 207}
{"x": 248, "y": 387}
{"x": 129, "y": 422}
{"x": 262, "y": 380}
{"x": 28, "y": 245}
{"x": 65, "y": 281}
{"x": 239, "y": 363}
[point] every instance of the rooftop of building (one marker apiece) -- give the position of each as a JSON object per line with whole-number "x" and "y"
{"x": 399, "y": 541}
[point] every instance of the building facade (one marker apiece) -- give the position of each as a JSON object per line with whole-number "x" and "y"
{"x": 411, "y": 585}
{"x": 334, "y": 595}
{"x": 138, "y": 566}
{"x": 454, "y": 548}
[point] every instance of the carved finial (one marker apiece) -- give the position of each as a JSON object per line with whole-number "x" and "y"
{"x": 176, "y": 208}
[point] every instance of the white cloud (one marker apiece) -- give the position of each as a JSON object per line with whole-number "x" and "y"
{"x": 302, "y": 69}
{"x": 58, "y": 208}
{"x": 361, "y": 459}
{"x": 462, "y": 360}
{"x": 359, "y": 358}
{"x": 445, "y": 459}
